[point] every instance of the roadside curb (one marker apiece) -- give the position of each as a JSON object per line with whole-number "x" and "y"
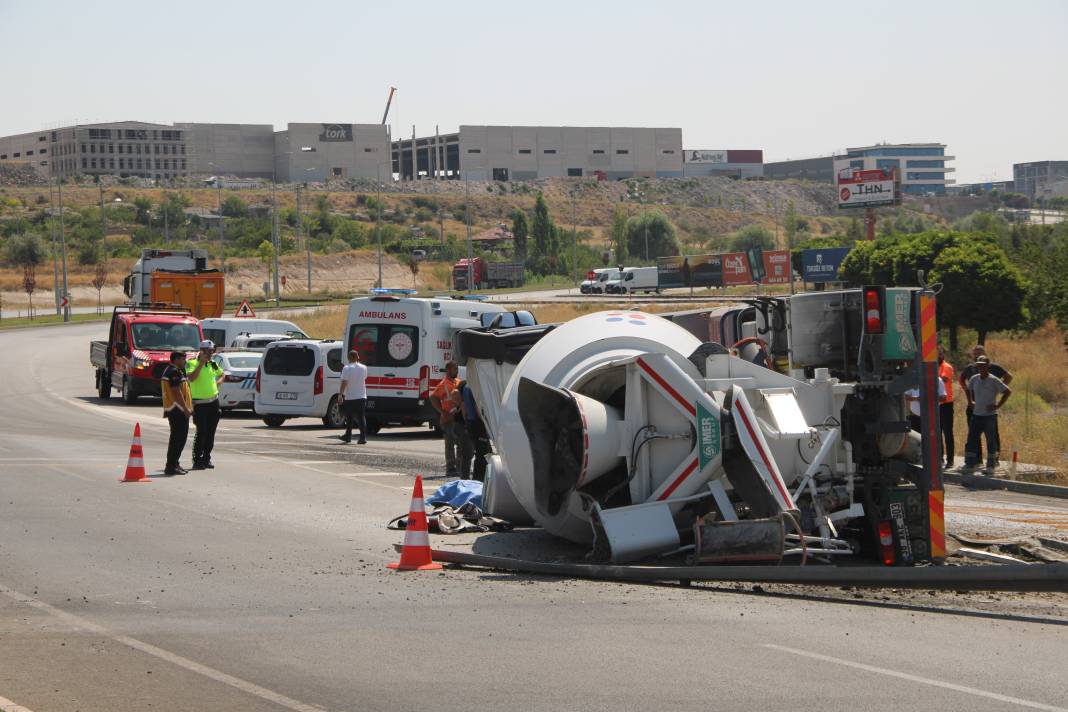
{"x": 980, "y": 482}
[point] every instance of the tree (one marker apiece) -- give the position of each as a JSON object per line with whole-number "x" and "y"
{"x": 854, "y": 232}
{"x": 520, "y": 232}
{"x": 26, "y": 251}
{"x": 981, "y": 289}
{"x": 752, "y": 236}
{"x": 144, "y": 209}
{"x": 234, "y": 207}
{"x": 542, "y": 227}
{"x": 619, "y": 235}
{"x": 790, "y": 223}
{"x": 265, "y": 252}
{"x": 654, "y": 227}
{"x": 100, "y": 278}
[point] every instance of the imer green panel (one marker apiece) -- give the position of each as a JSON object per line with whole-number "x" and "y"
{"x": 899, "y": 342}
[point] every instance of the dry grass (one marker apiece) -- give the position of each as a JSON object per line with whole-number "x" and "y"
{"x": 322, "y": 323}
{"x": 1035, "y": 420}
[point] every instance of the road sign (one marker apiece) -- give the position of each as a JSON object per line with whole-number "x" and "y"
{"x": 245, "y": 310}
{"x": 283, "y": 280}
{"x": 65, "y": 302}
{"x": 821, "y": 264}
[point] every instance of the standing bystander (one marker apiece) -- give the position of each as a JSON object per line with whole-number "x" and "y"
{"x": 204, "y": 377}
{"x": 983, "y": 393}
{"x": 352, "y": 395}
{"x": 945, "y": 410}
{"x": 450, "y": 418}
{"x": 177, "y": 407}
{"x": 965, "y": 375}
{"x": 476, "y": 431}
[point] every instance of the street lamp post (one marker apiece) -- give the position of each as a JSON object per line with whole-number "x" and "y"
{"x": 275, "y": 238}
{"x": 470, "y": 246}
{"x": 574, "y": 240}
{"x": 55, "y": 247}
{"x": 63, "y": 255}
{"x": 378, "y": 220}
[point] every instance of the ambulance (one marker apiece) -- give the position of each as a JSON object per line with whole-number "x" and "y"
{"x": 405, "y": 342}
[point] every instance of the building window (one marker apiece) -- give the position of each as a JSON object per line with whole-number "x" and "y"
{"x": 139, "y": 164}
{"x": 16, "y": 155}
{"x": 111, "y": 163}
{"x": 925, "y": 176}
{"x": 524, "y": 151}
{"x": 122, "y": 163}
{"x": 111, "y": 148}
{"x": 3, "y": 156}
{"x": 183, "y": 149}
{"x": 183, "y": 164}
{"x": 43, "y": 150}
{"x": 120, "y": 148}
{"x": 669, "y": 151}
{"x": 155, "y": 149}
{"x": 598, "y": 151}
{"x": 549, "y": 150}
{"x": 474, "y": 150}
{"x": 92, "y": 163}
{"x": 92, "y": 148}
{"x": 886, "y": 163}
{"x": 41, "y": 138}
{"x": 370, "y": 150}
{"x": 29, "y": 153}
{"x": 157, "y": 164}
{"x": 138, "y": 149}
{"x": 84, "y": 166}
{"x": 622, "y": 151}
{"x": 857, "y": 164}
{"x": 925, "y": 164}
{"x": 574, "y": 172}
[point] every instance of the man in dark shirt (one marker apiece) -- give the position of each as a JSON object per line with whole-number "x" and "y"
{"x": 177, "y": 407}
{"x": 973, "y": 369}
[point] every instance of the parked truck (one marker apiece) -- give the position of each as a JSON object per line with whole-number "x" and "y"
{"x": 138, "y": 347}
{"x": 488, "y": 275}
{"x": 179, "y": 278}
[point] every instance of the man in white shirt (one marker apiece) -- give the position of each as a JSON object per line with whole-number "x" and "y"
{"x": 912, "y": 397}
{"x": 352, "y": 396}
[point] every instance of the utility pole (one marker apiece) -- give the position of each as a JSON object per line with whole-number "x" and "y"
{"x": 63, "y": 255}
{"x": 378, "y": 219}
{"x": 574, "y": 239}
{"x": 55, "y": 247}
{"x": 645, "y": 222}
{"x": 222, "y": 228}
{"x": 470, "y": 246}
{"x": 166, "y": 225}
{"x": 307, "y": 242}
{"x": 103, "y": 225}
{"x": 275, "y": 240}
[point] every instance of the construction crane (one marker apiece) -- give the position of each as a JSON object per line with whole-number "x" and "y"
{"x": 389, "y": 100}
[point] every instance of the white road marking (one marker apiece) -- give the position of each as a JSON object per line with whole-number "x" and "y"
{"x": 7, "y": 705}
{"x": 916, "y": 678}
{"x": 235, "y": 682}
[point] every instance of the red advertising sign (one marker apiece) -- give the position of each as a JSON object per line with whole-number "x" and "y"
{"x": 736, "y": 269}
{"x": 777, "y": 267}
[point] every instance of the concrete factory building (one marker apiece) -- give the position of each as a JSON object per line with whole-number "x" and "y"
{"x": 1039, "y": 179}
{"x": 319, "y": 152}
{"x": 528, "y": 152}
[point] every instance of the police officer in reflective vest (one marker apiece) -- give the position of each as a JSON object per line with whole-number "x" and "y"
{"x": 204, "y": 377}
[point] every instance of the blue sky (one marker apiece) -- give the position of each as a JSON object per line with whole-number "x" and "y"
{"x": 793, "y": 78}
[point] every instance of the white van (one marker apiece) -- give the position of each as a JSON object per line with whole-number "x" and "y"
{"x": 222, "y": 331}
{"x": 634, "y": 279}
{"x": 300, "y": 379}
{"x": 405, "y": 342}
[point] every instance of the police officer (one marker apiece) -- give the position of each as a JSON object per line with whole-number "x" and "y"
{"x": 204, "y": 377}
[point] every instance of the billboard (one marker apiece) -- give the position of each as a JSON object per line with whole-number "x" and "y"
{"x": 336, "y": 132}
{"x": 866, "y": 189}
{"x": 821, "y": 264}
{"x": 736, "y": 269}
{"x": 713, "y": 156}
{"x": 689, "y": 271}
{"x": 777, "y": 267}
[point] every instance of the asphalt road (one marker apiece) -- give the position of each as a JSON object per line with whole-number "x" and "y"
{"x": 261, "y": 585}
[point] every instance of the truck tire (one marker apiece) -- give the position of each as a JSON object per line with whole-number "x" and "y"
{"x": 103, "y": 385}
{"x": 273, "y": 421}
{"x": 334, "y": 418}
{"x": 129, "y": 396}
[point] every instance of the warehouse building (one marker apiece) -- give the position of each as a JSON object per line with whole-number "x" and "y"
{"x": 529, "y": 152}
{"x": 819, "y": 169}
{"x": 319, "y": 152}
{"x": 1036, "y": 179}
{"x": 922, "y": 167}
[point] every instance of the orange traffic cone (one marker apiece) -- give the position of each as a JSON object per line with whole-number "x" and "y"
{"x": 135, "y": 466}
{"x": 415, "y": 554}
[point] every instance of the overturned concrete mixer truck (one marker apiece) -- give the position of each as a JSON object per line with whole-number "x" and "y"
{"x": 749, "y": 432}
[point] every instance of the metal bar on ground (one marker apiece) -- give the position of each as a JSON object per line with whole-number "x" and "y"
{"x": 1009, "y": 577}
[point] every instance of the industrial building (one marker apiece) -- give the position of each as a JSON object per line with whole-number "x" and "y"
{"x": 923, "y": 167}
{"x": 1036, "y": 179}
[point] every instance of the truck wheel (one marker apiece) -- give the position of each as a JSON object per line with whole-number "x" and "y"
{"x": 334, "y": 418}
{"x": 129, "y": 397}
{"x": 273, "y": 421}
{"x": 103, "y": 385}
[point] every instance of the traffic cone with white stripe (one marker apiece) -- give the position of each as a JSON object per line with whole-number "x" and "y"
{"x": 135, "y": 466}
{"x": 415, "y": 554}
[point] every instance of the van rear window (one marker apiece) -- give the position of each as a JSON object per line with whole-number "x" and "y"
{"x": 289, "y": 362}
{"x": 388, "y": 345}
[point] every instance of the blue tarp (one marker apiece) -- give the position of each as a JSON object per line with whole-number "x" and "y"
{"x": 457, "y": 493}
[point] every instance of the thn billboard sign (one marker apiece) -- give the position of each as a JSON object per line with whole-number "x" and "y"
{"x": 336, "y": 132}
{"x": 689, "y": 271}
{"x": 867, "y": 189}
{"x": 821, "y": 264}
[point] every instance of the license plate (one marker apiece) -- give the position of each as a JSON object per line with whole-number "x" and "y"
{"x": 285, "y": 395}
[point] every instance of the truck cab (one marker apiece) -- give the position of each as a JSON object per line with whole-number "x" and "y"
{"x": 138, "y": 348}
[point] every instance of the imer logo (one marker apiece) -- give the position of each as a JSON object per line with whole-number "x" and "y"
{"x": 336, "y": 132}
